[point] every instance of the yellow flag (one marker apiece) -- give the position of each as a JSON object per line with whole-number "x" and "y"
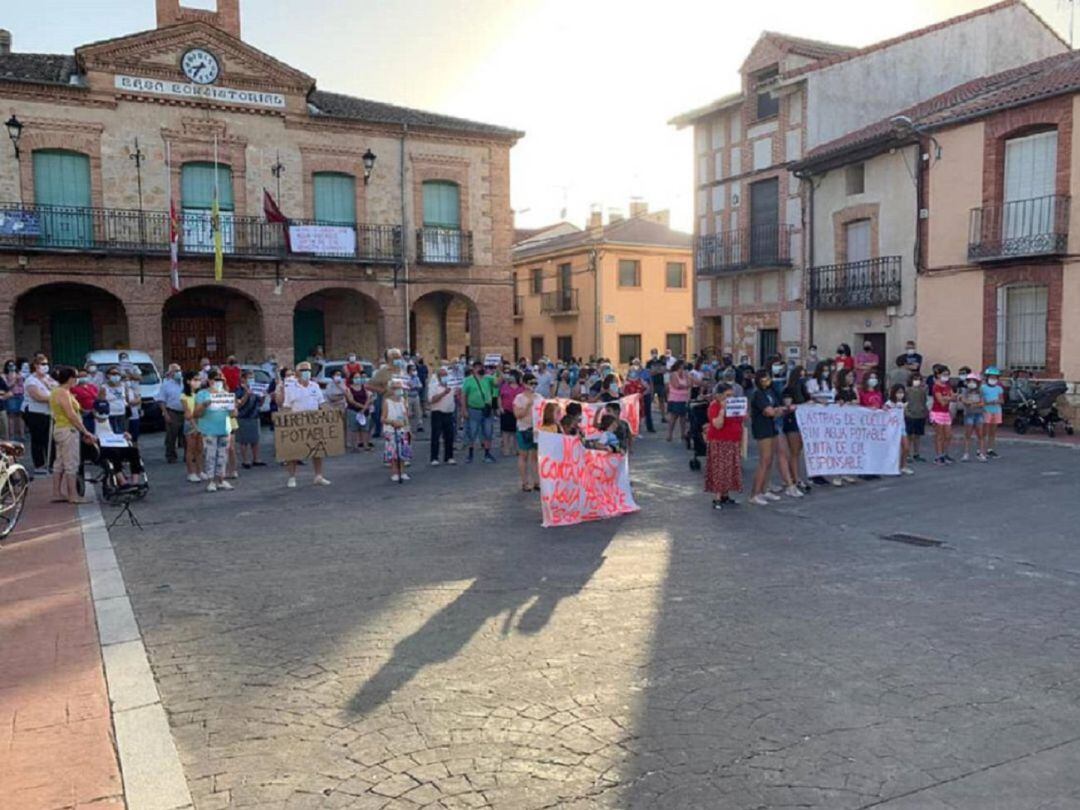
{"x": 215, "y": 227}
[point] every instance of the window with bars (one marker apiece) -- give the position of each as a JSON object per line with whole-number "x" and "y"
{"x": 1021, "y": 326}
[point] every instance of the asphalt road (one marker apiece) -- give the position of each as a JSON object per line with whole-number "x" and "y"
{"x": 372, "y": 645}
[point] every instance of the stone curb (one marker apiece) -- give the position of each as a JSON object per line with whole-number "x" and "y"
{"x": 150, "y": 766}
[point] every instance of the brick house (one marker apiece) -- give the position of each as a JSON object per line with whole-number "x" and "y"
{"x": 400, "y": 219}
{"x": 796, "y": 94}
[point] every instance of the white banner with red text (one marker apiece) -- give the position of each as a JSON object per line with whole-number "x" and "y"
{"x": 849, "y": 440}
{"x": 629, "y": 410}
{"x": 579, "y": 484}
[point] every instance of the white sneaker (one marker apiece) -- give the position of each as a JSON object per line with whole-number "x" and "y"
{"x": 451, "y": 461}
{"x": 776, "y": 489}
{"x": 849, "y": 479}
{"x": 769, "y": 496}
{"x": 291, "y": 483}
{"x": 320, "y": 481}
{"x": 435, "y": 463}
{"x": 395, "y": 478}
{"x": 836, "y": 482}
{"x": 793, "y": 492}
{"x": 405, "y": 477}
{"x": 234, "y": 475}
{"x": 211, "y": 487}
{"x": 204, "y": 477}
{"x": 759, "y": 500}
{"x": 965, "y": 457}
{"x": 907, "y": 471}
{"x": 193, "y": 478}
{"x": 225, "y": 485}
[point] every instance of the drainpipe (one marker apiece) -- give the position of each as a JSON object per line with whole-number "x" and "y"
{"x": 405, "y": 245}
{"x": 808, "y": 228}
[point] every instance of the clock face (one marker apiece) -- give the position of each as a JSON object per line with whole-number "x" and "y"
{"x": 200, "y": 66}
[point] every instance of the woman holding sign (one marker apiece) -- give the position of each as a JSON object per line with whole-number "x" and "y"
{"x": 724, "y": 434}
{"x": 213, "y": 407}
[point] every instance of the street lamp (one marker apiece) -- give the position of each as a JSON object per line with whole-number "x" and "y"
{"x": 369, "y": 165}
{"x": 15, "y": 128}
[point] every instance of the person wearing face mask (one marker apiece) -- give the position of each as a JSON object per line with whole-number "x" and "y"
{"x": 67, "y": 428}
{"x": 941, "y": 414}
{"x": 915, "y": 415}
{"x": 214, "y": 428}
{"x": 13, "y": 403}
{"x": 866, "y": 361}
{"x": 812, "y": 358}
{"x": 204, "y": 369}
{"x": 870, "y": 395}
{"x": 231, "y": 373}
{"x": 912, "y": 359}
{"x": 900, "y": 374}
{"x": 303, "y": 395}
{"x": 843, "y": 359}
{"x": 480, "y": 391}
{"x": 270, "y": 365}
{"x": 133, "y": 384}
{"x": 416, "y": 414}
{"x": 85, "y": 393}
{"x": 193, "y": 460}
{"x": 678, "y": 397}
{"x": 380, "y": 384}
{"x": 898, "y": 400}
{"x": 441, "y": 403}
{"x": 609, "y": 389}
{"x": 352, "y": 367}
{"x": 509, "y": 388}
{"x": 635, "y": 385}
{"x": 765, "y": 410}
{"x": 335, "y": 392}
{"x": 115, "y": 392}
{"x": 794, "y": 394}
{"x": 38, "y": 386}
{"x": 358, "y": 418}
{"x": 993, "y": 397}
{"x": 248, "y": 404}
{"x": 974, "y": 417}
{"x": 172, "y": 410}
{"x": 395, "y": 418}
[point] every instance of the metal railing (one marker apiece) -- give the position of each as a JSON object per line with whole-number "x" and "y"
{"x": 559, "y": 302}
{"x": 519, "y": 306}
{"x": 120, "y": 231}
{"x": 444, "y": 246}
{"x": 856, "y": 285}
{"x": 756, "y": 246}
{"x": 1036, "y": 227}
{"x": 369, "y": 243}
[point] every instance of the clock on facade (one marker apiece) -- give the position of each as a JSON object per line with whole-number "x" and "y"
{"x": 200, "y": 66}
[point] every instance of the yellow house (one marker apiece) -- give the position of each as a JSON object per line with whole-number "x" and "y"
{"x": 614, "y": 291}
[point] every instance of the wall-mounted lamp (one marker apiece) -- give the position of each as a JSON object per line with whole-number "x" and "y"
{"x": 369, "y": 165}
{"x": 14, "y": 128}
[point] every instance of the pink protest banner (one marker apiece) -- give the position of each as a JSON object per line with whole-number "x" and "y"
{"x": 629, "y": 410}
{"x": 578, "y": 484}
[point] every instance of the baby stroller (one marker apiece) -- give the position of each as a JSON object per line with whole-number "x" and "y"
{"x": 1038, "y": 409}
{"x": 695, "y": 437}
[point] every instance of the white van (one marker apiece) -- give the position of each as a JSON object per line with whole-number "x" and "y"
{"x": 149, "y": 386}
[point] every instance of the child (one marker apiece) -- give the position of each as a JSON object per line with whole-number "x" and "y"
{"x": 897, "y": 399}
{"x": 915, "y": 414}
{"x": 869, "y": 393}
{"x": 723, "y": 463}
{"x": 570, "y": 424}
{"x": 549, "y": 419}
{"x": 972, "y": 401}
{"x": 395, "y": 421}
{"x": 607, "y": 440}
{"x": 941, "y": 416}
{"x": 993, "y": 396}
{"x": 622, "y": 427}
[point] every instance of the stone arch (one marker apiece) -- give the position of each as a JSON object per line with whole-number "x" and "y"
{"x": 342, "y": 320}
{"x": 212, "y": 321}
{"x": 66, "y": 320}
{"x": 444, "y": 324}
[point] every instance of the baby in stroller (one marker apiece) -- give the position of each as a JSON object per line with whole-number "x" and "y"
{"x": 111, "y": 453}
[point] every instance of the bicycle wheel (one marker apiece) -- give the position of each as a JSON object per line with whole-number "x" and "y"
{"x": 12, "y": 499}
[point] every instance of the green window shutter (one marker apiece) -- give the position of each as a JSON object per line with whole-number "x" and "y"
{"x": 61, "y": 178}
{"x": 197, "y": 186}
{"x": 441, "y": 204}
{"x": 335, "y": 197}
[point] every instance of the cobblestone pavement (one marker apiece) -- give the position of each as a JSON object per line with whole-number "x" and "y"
{"x": 375, "y": 646}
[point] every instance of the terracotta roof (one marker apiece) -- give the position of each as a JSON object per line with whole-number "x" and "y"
{"x": 1052, "y": 76}
{"x": 918, "y": 32}
{"x": 633, "y": 231}
{"x": 337, "y": 105}
{"x": 815, "y": 48}
{"x": 37, "y": 68}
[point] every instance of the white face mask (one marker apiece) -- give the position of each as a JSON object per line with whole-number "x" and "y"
{"x": 44, "y": 368}
{"x": 916, "y": 383}
{"x": 872, "y": 382}
{"x": 217, "y": 385}
{"x": 337, "y": 378}
{"x": 972, "y": 386}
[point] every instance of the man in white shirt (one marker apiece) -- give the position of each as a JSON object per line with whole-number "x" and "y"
{"x": 303, "y": 395}
{"x": 441, "y": 402}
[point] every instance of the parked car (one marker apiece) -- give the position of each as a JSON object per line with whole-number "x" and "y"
{"x": 322, "y": 372}
{"x": 149, "y": 386}
{"x": 261, "y": 376}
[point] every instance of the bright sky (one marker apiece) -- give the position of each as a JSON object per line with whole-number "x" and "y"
{"x": 591, "y": 82}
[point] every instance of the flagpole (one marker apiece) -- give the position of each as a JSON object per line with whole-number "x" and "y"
{"x": 215, "y": 219}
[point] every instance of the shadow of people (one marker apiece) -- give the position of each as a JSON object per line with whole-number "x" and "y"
{"x": 542, "y": 569}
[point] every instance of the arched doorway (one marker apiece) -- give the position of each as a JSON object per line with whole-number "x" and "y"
{"x": 341, "y": 321}
{"x": 67, "y": 321}
{"x": 444, "y": 325}
{"x": 212, "y": 322}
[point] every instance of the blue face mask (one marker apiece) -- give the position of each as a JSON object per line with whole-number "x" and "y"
{"x": 305, "y": 375}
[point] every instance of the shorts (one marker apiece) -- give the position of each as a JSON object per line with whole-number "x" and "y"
{"x": 915, "y": 427}
{"x": 992, "y": 418}
{"x": 973, "y": 419}
{"x": 507, "y": 422}
{"x": 940, "y": 418}
{"x": 14, "y": 404}
{"x": 480, "y": 426}
{"x": 526, "y": 440}
{"x": 678, "y": 408}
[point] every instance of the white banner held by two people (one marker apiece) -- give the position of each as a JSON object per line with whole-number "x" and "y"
{"x": 849, "y": 440}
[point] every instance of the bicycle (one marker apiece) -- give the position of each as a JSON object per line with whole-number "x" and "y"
{"x": 14, "y": 484}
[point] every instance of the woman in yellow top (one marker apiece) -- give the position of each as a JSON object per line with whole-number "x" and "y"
{"x": 192, "y": 438}
{"x": 67, "y": 427}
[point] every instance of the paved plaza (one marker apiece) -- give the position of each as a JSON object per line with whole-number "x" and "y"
{"x": 370, "y": 645}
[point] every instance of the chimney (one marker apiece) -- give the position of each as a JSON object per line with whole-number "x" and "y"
{"x": 5, "y": 42}
{"x": 614, "y": 215}
{"x": 638, "y": 207}
{"x": 660, "y": 217}
{"x": 226, "y": 17}
{"x": 596, "y": 218}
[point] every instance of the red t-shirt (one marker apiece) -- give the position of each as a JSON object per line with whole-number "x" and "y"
{"x": 730, "y": 432}
{"x": 871, "y": 399}
{"x": 945, "y": 390}
{"x": 85, "y": 395}
{"x": 845, "y": 361}
{"x": 232, "y": 377}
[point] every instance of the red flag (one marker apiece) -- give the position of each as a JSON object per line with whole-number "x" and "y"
{"x": 273, "y": 214}
{"x": 174, "y": 239}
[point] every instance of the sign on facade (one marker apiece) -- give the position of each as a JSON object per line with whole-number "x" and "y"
{"x": 328, "y": 240}
{"x": 228, "y": 95}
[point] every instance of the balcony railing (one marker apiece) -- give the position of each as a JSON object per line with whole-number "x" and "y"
{"x": 856, "y": 285}
{"x": 560, "y": 302}
{"x": 118, "y": 231}
{"x": 756, "y": 246}
{"x": 342, "y": 241}
{"x": 519, "y": 306}
{"x": 444, "y": 246}
{"x": 1036, "y": 227}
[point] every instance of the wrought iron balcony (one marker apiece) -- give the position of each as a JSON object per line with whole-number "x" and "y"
{"x": 346, "y": 242}
{"x": 119, "y": 231}
{"x": 519, "y": 306}
{"x": 856, "y": 285}
{"x": 444, "y": 246}
{"x": 1036, "y": 227}
{"x": 560, "y": 302}
{"x": 745, "y": 248}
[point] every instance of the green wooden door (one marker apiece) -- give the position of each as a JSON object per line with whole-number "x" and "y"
{"x": 62, "y": 188}
{"x": 72, "y": 337}
{"x": 309, "y": 331}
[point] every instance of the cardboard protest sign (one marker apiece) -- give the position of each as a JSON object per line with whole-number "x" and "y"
{"x": 492, "y": 359}
{"x": 259, "y": 389}
{"x": 222, "y": 402}
{"x": 300, "y": 435}
{"x": 578, "y": 484}
{"x": 629, "y": 410}
{"x": 848, "y": 440}
{"x": 735, "y": 406}
{"x": 113, "y": 440}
